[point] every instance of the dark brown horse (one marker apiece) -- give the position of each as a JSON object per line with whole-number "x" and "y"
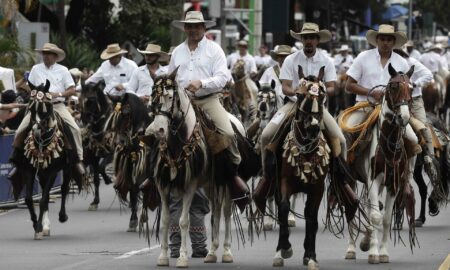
{"x": 304, "y": 160}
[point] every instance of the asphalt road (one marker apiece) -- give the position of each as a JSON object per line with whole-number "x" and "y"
{"x": 98, "y": 240}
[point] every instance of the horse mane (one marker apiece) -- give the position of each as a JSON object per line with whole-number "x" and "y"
{"x": 139, "y": 115}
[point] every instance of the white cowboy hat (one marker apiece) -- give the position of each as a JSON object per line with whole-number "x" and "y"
{"x": 386, "y": 29}
{"x": 312, "y": 28}
{"x": 75, "y": 72}
{"x": 437, "y": 46}
{"x": 193, "y": 17}
{"x": 155, "y": 49}
{"x": 50, "y": 47}
{"x": 280, "y": 50}
{"x": 409, "y": 43}
{"x": 111, "y": 51}
{"x": 344, "y": 47}
{"x": 242, "y": 42}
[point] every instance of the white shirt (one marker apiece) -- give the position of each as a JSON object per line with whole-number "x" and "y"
{"x": 421, "y": 76}
{"x": 267, "y": 77}
{"x": 447, "y": 56}
{"x": 415, "y": 54}
{"x": 7, "y": 78}
{"x": 265, "y": 60}
{"x": 58, "y": 76}
{"x": 141, "y": 83}
{"x": 342, "y": 65}
{"x": 368, "y": 72}
{"x": 206, "y": 63}
{"x": 433, "y": 61}
{"x": 250, "y": 65}
{"x": 114, "y": 75}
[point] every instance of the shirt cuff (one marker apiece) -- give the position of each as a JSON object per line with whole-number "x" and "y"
{"x": 204, "y": 83}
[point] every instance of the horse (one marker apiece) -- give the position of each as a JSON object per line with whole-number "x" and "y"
{"x": 97, "y": 143}
{"x": 244, "y": 93}
{"x": 303, "y": 158}
{"x": 45, "y": 153}
{"x": 386, "y": 163}
{"x": 185, "y": 162}
{"x": 127, "y": 122}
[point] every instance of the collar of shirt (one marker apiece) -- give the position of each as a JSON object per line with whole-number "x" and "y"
{"x": 199, "y": 45}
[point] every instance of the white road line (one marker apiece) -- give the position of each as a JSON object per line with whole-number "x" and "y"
{"x": 9, "y": 211}
{"x": 135, "y": 252}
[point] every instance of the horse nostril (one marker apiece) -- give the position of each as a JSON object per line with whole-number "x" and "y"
{"x": 263, "y": 107}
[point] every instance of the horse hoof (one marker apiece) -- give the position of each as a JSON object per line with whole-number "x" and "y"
{"x": 63, "y": 218}
{"x": 364, "y": 245}
{"x": 268, "y": 226}
{"x": 38, "y": 236}
{"x": 182, "y": 262}
{"x": 313, "y": 265}
{"x": 278, "y": 262}
{"x": 93, "y": 207}
{"x": 163, "y": 262}
{"x": 398, "y": 227}
{"x": 210, "y": 258}
{"x": 433, "y": 212}
{"x": 350, "y": 255}
{"x": 132, "y": 229}
{"x": 46, "y": 232}
{"x": 374, "y": 259}
{"x": 384, "y": 258}
{"x": 287, "y": 253}
{"x": 419, "y": 223}
{"x": 227, "y": 258}
{"x": 291, "y": 223}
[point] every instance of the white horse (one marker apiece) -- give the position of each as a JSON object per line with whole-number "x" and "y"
{"x": 184, "y": 164}
{"x": 384, "y": 164}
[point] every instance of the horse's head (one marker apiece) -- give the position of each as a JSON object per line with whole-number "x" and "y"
{"x": 398, "y": 95}
{"x": 267, "y": 100}
{"x": 238, "y": 70}
{"x": 41, "y": 109}
{"x": 311, "y": 95}
{"x": 92, "y": 101}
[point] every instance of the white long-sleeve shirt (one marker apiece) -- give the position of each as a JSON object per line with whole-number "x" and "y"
{"x": 114, "y": 75}
{"x": 342, "y": 65}
{"x": 421, "y": 76}
{"x": 433, "y": 61}
{"x": 250, "y": 65}
{"x": 267, "y": 77}
{"x": 368, "y": 72}
{"x": 58, "y": 76}
{"x": 141, "y": 83}
{"x": 206, "y": 63}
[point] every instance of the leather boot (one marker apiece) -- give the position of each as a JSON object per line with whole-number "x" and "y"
{"x": 239, "y": 190}
{"x": 15, "y": 158}
{"x": 264, "y": 190}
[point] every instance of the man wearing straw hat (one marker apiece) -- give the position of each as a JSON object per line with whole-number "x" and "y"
{"x": 242, "y": 53}
{"x": 412, "y": 52}
{"x": 141, "y": 81}
{"x": 311, "y": 60}
{"x": 116, "y": 70}
{"x": 61, "y": 86}
{"x": 343, "y": 60}
{"x": 273, "y": 73}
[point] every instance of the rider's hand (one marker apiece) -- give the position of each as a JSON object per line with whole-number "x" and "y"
{"x": 119, "y": 87}
{"x": 194, "y": 86}
{"x": 55, "y": 95}
{"x": 377, "y": 94}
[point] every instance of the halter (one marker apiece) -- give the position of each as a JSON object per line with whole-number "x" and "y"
{"x": 269, "y": 98}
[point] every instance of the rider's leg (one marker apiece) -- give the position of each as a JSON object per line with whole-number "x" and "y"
{"x": 19, "y": 137}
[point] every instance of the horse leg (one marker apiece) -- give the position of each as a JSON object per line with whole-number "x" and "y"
{"x": 182, "y": 261}
{"x": 29, "y": 199}
{"x": 215, "y": 222}
{"x": 43, "y": 204}
{"x": 284, "y": 248}
{"x": 65, "y": 187}
{"x": 418, "y": 178}
{"x": 163, "y": 259}
{"x": 291, "y": 216}
{"x": 102, "y": 168}
{"x": 94, "y": 204}
{"x": 134, "y": 192}
{"x": 227, "y": 256}
{"x": 311, "y": 210}
{"x": 350, "y": 254}
{"x": 269, "y": 222}
{"x": 375, "y": 218}
{"x": 389, "y": 205}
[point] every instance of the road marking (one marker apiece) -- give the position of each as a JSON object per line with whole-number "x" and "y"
{"x": 9, "y": 211}
{"x": 446, "y": 264}
{"x": 136, "y": 252}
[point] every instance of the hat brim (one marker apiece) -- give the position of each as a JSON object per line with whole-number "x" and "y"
{"x": 324, "y": 35}
{"x": 163, "y": 56}
{"x": 274, "y": 54}
{"x": 400, "y": 38}
{"x": 105, "y": 55}
{"x": 180, "y": 24}
{"x": 60, "y": 53}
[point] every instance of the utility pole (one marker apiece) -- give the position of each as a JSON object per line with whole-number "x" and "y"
{"x": 410, "y": 20}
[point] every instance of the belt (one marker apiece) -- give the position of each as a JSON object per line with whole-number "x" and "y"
{"x": 203, "y": 97}
{"x": 57, "y": 102}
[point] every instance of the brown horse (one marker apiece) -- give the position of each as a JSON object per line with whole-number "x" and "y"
{"x": 244, "y": 93}
{"x": 304, "y": 159}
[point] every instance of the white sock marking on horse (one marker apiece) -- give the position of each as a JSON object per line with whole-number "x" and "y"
{"x": 136, "y": 252}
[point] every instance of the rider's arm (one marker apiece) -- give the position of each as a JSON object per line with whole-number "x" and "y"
{"x": 353, "y": 87}
{"x": 330, "y": 87}
{"x": 287, "y": 88}
{"x": 67, "y": 93}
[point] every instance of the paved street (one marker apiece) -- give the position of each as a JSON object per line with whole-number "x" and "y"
{"x": 98, "y": 240}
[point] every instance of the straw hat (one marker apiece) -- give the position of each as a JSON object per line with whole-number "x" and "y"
{"x": 409, "y": 43}
{"x": 436, "y": 46}
{"x": 75, "y": 72}
{"x": 312, "y": 28}
{"x": 343, "y": 48}
{"x": 280, "y": 50}
{"x": 171, "y": 50}
{"x": 242, "y": 42}
{"x": 50, "y": 47}
{"x": 193, "y": 17}
{"x": 386, "y": 29}
{"x": 111, "y": 51}
{"x": 155, "y": 49}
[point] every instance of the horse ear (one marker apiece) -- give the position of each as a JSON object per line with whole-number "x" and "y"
{"x": 82, "y": 84}
{"x": 321, "y": 73}
{"x": 272, "y": 84}
{"x": 173, "y": 75}
{"x": 47, "y": 85}
{"x": 300, "y": 73}
{"x": 32, "y": 86}
{"x": 392, "y": 70}
{"x": 410, "y": 71}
